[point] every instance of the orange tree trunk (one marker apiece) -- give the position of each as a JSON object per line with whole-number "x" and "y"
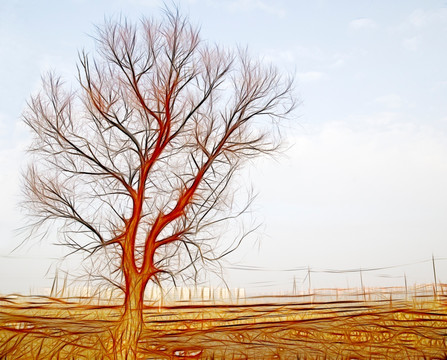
{"x": 130, "y": 327}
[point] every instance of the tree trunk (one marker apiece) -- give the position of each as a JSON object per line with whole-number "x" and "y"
{"x": 130, "y": 326}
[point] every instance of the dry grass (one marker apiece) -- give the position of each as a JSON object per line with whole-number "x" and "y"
{"x": 44, "y": 328}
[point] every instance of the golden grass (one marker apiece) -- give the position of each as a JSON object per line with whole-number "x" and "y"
{"x": 44, "y": 328}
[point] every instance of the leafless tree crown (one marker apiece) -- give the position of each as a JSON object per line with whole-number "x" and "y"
{"x": 138, "y": 161}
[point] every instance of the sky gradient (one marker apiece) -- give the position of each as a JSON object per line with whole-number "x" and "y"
{"x": 363, "y": 183}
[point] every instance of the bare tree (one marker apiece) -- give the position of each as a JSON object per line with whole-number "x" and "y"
{"x": 137, "y": 163}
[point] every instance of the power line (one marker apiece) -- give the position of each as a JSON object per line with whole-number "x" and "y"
{"x": 329, "y": 271}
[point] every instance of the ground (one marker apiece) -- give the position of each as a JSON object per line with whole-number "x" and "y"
{"x": 287, "y": 328}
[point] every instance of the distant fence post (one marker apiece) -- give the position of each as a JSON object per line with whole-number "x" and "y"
{"x": 53, "y": 291}
{"x": 435, "y": 288}
{"x": 308, "y": 275}
{"x": 406, "y": 287}
{"x": 361, "y": 283}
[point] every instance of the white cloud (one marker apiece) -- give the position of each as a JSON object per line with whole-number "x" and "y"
{"x": 149, "y": 3}
{"x": 418, "y": 18}
{"x": 392, "y": 101}
{"x": 412, "y": 43}
{"x": 381, "y": 119}
{"x": 281, "y": 56}
{"x": 338, "y": 63}
{"x": 249, "y": 5}
{"x": 310, "y": 76}
{"x": 421, "y": 18}
{"x": 362, "y": 23}
{"x": 2, "y": 125}
{"x": 309, "y": 52}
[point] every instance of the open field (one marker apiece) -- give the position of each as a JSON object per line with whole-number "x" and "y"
{"x": 288, "y": 328}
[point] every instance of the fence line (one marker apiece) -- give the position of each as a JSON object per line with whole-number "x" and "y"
{"x": 308, "y": 291}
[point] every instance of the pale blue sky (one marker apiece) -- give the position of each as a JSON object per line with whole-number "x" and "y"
{"x": 364, "y": 183}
